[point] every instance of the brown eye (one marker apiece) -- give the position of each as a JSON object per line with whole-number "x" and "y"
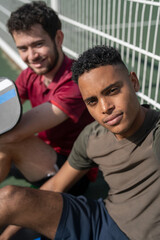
{"x": 22, "y": 49}
{"x": 114, "y": 90}
{"x": 91, "y": 101}
{"x": 39, "y": 44}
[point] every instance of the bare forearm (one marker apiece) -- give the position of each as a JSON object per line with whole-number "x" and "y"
{"x": 64, "y": 179}
{"x": 37, "y": 119}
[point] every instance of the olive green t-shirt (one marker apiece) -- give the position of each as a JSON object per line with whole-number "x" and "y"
{"x": 131, "y": 167}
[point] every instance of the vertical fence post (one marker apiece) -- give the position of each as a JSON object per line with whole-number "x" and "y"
{"x": 55, "y": 5}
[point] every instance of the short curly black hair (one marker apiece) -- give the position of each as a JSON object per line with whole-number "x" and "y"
{"x": 95, "y": 57}
{"x": 36, "y": 12}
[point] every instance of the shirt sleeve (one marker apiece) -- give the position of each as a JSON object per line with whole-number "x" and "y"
{"x": 78, "y": 157}
{"x": 156, "y": 140}
{"x": 69, "y": 100}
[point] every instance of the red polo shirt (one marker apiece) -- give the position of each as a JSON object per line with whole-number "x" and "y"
{"x": 63, "y": 93}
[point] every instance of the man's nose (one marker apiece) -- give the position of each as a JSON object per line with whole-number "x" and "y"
{"x": 106, "y": 105}
{"x": 32, "y": 54}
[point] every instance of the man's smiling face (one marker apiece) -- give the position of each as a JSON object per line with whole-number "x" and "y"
{"x": 37, "y": 49}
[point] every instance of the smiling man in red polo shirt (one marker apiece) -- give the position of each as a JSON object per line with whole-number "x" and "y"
{"x": 58, "y": 113}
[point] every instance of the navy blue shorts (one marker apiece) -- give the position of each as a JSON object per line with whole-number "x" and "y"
{"x": 84, "y": 219}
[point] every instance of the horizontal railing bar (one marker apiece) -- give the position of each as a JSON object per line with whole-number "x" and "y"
{"x": 12, "y": 54}
{"x": 146, "y": 2}
{"x": 149, "y": 100}
{"x": 105, "y": 35}
{"x": 70, "y": 52}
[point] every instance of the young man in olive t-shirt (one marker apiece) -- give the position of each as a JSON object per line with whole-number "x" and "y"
{"x": 123, "y": 141}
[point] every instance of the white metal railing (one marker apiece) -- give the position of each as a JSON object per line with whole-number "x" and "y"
{"x": 109, "y": 37}
{"x": 132, "y": 26}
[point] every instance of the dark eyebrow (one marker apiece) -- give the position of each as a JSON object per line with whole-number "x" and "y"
{"x": 32, "y": 44}
{"x": 19, "y": 47}
{"x": 89, "y": 99}
{"x": 118, "y": 83}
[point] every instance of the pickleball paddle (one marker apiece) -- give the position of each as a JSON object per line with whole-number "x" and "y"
{"x": 10, "y": 105}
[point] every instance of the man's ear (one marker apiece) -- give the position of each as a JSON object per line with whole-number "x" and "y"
{"x": 134, "y": 81}
{"x": 59, "y": 38}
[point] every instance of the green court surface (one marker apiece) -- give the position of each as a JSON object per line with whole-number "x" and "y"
{"x": 11, "y": 180}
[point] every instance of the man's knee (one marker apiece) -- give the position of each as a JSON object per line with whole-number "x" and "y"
{"x": 12, "y": 199}
{"x": 7, "y": 193}
{"x": 7, "y": 202}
